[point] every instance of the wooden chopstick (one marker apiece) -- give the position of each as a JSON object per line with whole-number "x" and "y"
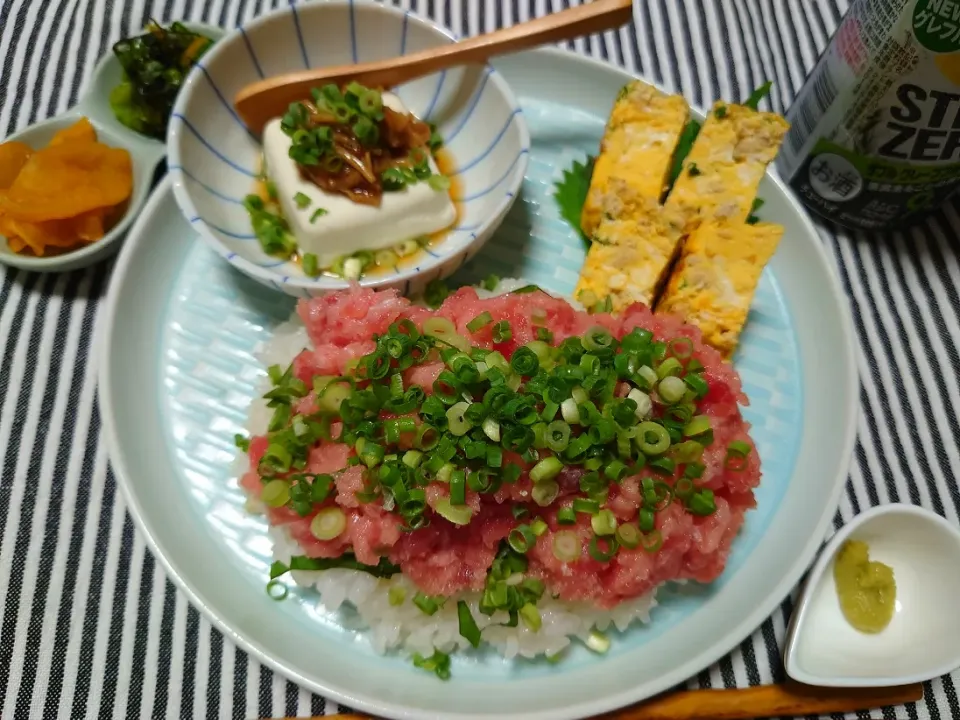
{"x": 788, "y": 699}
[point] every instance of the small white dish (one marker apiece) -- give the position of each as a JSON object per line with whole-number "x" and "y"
{"x": 214, "y": 160}
{"x": 145, "y": 154}
{"x": 922, "y": 640}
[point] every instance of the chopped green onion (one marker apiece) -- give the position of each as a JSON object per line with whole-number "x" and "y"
{"x": 524, "y": 361}
{"x": 333, "y": 395}
{"x": 439, "y": 327}
{"x": 318, "y": 213}
{"x": 566, "y": 546}
{"x": 502, "y": 332}
{"x": 652, "y": 438}
{"x": 539, "y": 527}
{"x": 439, "y": 183}
{"x": 491, "y": 428}
{"x": 697, "y": 426}
{"x": 669, "y": 368}
{"x": 531, "y": 616}
{"x": 545, "y": 492}
{"x": 702, "y": 502}
{"x": 681, "y": 348}
{"x": 468, "y": 626}
{"x": 445, "y": 473}
{"x": 277, "y": 590}
{"x": 604, "y": 522}
{"x": 583, "y": 505}
{"x": 396, "y": 595}
{"x": 684, "y": 488}
{"x": 276, "y": 493}
{"x": 598, "y": 642}
{"x": 371, "y": 454}
{"x": 541, "y": 349}
{"x": 544, "y": 335}
{"x": 671, "y": 389}
{"x": 310, "y": 265}
{"x": 438, "y": 663}
{"x": 540, "y": 435}
{"x": 643, "y": 402}
{"x": 458, "y": 515}
{"x": 427, "y": 604}
{"x": 557, "y": 436}
{"x": 652, "y": 541}
{"x": 646, "y": 520}
{"x": 320, "y": 487}
{"x": 521, "y": 539}
{"x": 458, "y": 488}
{"x": 566, "y": 516}
{"x": 687, "y": 452}
{"x": 301, "y": 200}
{"x": 663, "y": 465}
{"x": 598, "y": 339}
{"x": 490, "y": 282}
{"x": 628, "y": 536}
{"x": 570, "y": 411}
{"x": 328, "y": 524}
{"x": 599, "y": 554}
{"x": 480, "y": 322}
{"x": 276, "y": 459}
{"x": 457, "y": 421}
{"x": 546, "y": 469}
{"x": 427, "y": 437}
{"x": 616, "y": 470}
{"x": 648, "y": 375}
{"x": 412, "y": 458}
{"x": 657, "y": 495}
{"x": 696, "y": 383}
{"x": 738, "y": 447}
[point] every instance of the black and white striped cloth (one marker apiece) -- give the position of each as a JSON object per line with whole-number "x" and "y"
{"x": 89, "y": 625}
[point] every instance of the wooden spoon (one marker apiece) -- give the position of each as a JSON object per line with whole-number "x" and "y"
{"x": 259, "y": 102}
{"x": 789, "y": 699}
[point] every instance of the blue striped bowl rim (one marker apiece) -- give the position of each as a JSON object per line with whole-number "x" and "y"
{"x": 437, "y": 263}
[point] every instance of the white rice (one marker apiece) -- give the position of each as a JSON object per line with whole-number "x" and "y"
{"x": 363, "y": 601}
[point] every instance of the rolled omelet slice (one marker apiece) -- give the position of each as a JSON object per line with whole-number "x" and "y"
{"x": 720, "y": 176}
{"x": 637, "y": 241}
{"x": 716, "y": 277}
{"x": 637, "y": 149}
{"x": 631, "y": 250}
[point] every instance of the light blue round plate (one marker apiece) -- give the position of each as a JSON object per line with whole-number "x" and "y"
{"x": 178, "y": 373}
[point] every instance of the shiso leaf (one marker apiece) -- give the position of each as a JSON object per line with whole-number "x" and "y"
{"x": 383, "y": 569}
{"x": 468, "y": 626}
{"x": 759, "y": 94}
{"x": 570, "y": 193}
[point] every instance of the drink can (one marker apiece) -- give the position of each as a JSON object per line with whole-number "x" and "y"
{"x": 875, "y": 131}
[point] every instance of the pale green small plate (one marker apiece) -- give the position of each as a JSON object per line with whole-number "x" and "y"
{"x": 145, "y": 154}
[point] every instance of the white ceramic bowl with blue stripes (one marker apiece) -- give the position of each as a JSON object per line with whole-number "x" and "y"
{"x": 213, "y": 158}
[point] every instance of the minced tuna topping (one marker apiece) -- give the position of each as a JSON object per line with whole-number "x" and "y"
{"x": 512, "y": 446}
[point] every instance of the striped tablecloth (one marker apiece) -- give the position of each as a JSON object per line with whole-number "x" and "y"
{"x": 91, "y": 627}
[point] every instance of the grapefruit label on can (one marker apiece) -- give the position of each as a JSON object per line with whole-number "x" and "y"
{"x": 875, "y": 131}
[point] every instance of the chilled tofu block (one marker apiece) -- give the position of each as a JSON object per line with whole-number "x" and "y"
{"x": 347, "y": 227}
{"x": 713, "y": 284}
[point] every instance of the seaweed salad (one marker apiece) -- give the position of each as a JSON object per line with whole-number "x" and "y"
{"x": 154, "y": 67}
